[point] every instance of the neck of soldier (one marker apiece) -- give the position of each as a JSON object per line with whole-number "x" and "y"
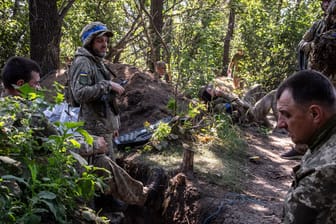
{"x": 12, "y": 92}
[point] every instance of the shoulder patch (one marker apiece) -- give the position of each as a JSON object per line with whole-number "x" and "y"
{"x": 83, "y": 78}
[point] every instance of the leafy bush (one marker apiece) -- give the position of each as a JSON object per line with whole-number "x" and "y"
{"x": 39, "y": 178}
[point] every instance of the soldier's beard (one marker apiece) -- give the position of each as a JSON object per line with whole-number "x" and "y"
{"x": 99, "y": 54}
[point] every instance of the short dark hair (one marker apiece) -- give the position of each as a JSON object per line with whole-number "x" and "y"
{"x": 160, "y": 64}
{"x": 204, "y": 95}
{"x": 309, "y": 86}
{"x": 17, "y": 68}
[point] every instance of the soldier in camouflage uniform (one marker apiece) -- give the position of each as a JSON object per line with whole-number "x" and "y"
{"x": 219, "y": 101}
{"x": 323, "y": 54}
{"x": 241, "y": 111}
{"x": 310, "y": 58}
{"x": 318, "y": 27}
{"x": 18, "y": 71}
{"x": 306, "y": 102}
{"x": 92, "y": 87}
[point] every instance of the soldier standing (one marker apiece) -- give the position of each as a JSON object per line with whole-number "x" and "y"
{"x": 323, "y": 54}
{"x": 92, "y": 87}
{"x": 305, "y": 45}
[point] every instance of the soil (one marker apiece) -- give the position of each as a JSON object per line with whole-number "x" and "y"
{"x": 267, "y": 181}
{"x": 189, "y": 199}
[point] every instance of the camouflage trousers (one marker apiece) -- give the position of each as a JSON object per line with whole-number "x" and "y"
{"x": 120, "y": 184}
{"x": 111, "y": 148}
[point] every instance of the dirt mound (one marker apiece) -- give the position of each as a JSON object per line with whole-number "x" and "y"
{"x": 145, "y": 98}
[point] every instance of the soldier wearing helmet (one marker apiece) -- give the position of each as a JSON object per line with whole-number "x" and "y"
{"x": 91, "y": 84}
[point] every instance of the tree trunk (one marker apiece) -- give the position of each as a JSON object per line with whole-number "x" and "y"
{"x": 187, "y": 166}
{"x": 45, "y": 20}
{"x": 156, "y": 31}
{"x": 45, "y": 34}
{"x": 227, "y": 40}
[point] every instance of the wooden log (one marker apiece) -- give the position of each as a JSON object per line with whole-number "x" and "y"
{"x": 187, "y": 166}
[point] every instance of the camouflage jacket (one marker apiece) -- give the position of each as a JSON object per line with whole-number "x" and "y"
{"x": 312, "y": 196}
{"x": 90, "y": 83}
{"x": 317, "y": 28}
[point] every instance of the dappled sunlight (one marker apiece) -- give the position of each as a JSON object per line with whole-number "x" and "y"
{"x": 169, "y": 162}
{"x": 220, "y": 164}
{"x": 265, "y": 188}
{"x": 258, "y": 207}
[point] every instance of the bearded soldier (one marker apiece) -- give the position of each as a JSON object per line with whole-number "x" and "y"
{"x": 92, "y": 87}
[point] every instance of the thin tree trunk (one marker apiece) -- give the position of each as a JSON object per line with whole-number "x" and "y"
{"x": 156, "y": 30}
{"x": 227, "y": 40}
{"x": 187, "y": 166}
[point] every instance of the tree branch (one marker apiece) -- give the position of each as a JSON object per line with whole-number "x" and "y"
{"x": 65, "y": 6}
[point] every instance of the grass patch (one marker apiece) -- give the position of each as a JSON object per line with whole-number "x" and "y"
{"x": 220, "y": 155}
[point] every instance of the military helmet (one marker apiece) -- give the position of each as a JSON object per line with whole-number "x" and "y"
{"x": 93, "y": 30}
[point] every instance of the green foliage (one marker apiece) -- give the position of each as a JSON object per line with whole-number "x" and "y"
{"x": 197, "y": 44}
{"x": 269, "y": 36}
{"x": 39, "y": 178}
{"x": 195, "y": 109}
{"x": 14, "y": 24}
{"x": 162, "y": 131}
{"x": 171, "y": 105}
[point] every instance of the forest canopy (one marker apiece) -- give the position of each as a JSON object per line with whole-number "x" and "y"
{"x": 196, "y": 38}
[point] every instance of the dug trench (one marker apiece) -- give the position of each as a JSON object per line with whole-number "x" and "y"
{"x": 187, "y": 194}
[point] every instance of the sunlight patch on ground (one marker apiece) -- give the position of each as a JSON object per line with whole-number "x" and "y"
{"x": 220, "y": 165}
{"x": 172, "y": 161}
{"x": 280, "y": 142}
{"x": 271, "y": 154}
{"x": 258, "y": 207}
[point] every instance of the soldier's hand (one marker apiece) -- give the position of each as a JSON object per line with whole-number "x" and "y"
{"x": 102, "y": 146}
{"x": 117, "y": 88}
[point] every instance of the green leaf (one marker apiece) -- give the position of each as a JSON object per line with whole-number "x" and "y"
{"x": 70, "y": 125}
{"x": 75, "y": 143}
{"x": 32, "y": 219}
{"x": 18, "y": 179}
{"x": 46, "y": 195}
{"x": 51, "y": 207}
{"x": 88, "y": 138}
{"x": 79, "y": 158}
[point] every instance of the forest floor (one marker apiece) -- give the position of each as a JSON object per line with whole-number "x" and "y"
{"x": 267, "y": 179}
{"x": 246, "y": 186}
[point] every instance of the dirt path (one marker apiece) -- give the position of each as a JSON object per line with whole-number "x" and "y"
{"x": 267, "y": 182}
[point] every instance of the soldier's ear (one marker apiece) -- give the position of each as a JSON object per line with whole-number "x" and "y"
{"x": 316, "y": 113}
{"x": 20, "y": 82}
